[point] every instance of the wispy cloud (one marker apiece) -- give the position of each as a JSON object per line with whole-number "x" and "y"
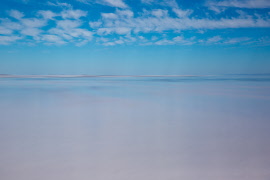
{"x": 237, "y": 40}
{"x": 6, "y": 40}
{"x": 168, "y": 3}
{"x": 31, "y": 32}
{"x": 52, "y": 39}
{"x": 59, "y": 4}
{"x": 182, "y": 13}
{"x": 68, "y": 24}
{"x": 214, "y": 39}
{"x": 47, "y": 14}
{"x": 73, "y": 14}
{"x": 67, "y": 28}
{"x": 4, "y": 30}
{"x": 16, "y": 14}
{"x": 113, "y": 3}
{"x": 33, "y": 22}
{"x": 159, "y": 20}
{"x": 241, "y": 3}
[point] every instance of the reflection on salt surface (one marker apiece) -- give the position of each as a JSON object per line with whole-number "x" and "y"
{"x": 149, "y": 128}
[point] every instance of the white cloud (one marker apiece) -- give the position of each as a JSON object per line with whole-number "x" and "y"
{"x": 115, "y": 3}
{"x": 70, "y": 31}
{"x": 119, "y": 42}
{"x": 104, "y": 31}
{"x": 66, "y": 28}
{"x": 109, "y": 44}
{"x": 165, "y": 3}
{"x": 23, "y": 26}
{"x": 216, "y": 9}
{"x": 4, "y": 30}
{"x": 263, "y": 41}
{"x": 122, "y": 26}
{"x": 81, "y": 43}
{"x": 33, "y": 22}
{"x": 178, "y": 38}
{"x": 125, "y": 13}
{"x": 214, "y": 39}
{"x": 73, "y": 14}
{"x": 154, "y": 38}
{"x": 58, "y": 4}
{"x": 184, "y": 41}
{"x": 102, "y": 39}
{"x": 164, "y": 42}
{"x": 160, "y": 21}
{"x": 60, "y": 32}
{"x": 47, "y": 14}
{"x": 241, "y": 3}
{"x": 85, "y": 1}
{"x": 65, "y": 14}
{"x": 96, "y": 24}
{"x": 70, "y": 34}
{"x": 122, "y": 30}
{"x": 109, "y": 15}
{"x": 16, "y": 14}
{"x": 171, "y": 3}
{"x": 31, "y": 32}
{"x": 236, "y": 40}
{"x": 68, "y": 24}
{"x": 226, "y": 41}
{"x": 182, "y": 13}
{"x": 116, "y": 30}
{"x": 52, "y": 39}
{"x": 81, "y": 33}
{"x": 147, "y": 1}
{"x": 6, "y": 40}
{"x": 159, "y": 13}
{"x": 127, "y": 39}
{"x": 8, "y": 24}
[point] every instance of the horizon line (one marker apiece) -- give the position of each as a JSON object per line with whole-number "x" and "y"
{"x": 93, "y": 76}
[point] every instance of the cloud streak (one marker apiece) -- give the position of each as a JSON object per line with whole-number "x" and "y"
{"x": 112, "y": 3}
{"x": 159, "y": 21}
{"x": 241, "y": 3}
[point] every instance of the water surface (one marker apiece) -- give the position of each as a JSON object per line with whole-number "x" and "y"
{"x": 135, "y": 128}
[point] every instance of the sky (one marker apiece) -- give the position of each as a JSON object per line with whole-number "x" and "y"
{"x": 134, "y": 37}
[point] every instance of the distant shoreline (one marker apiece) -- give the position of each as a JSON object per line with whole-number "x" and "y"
{"x": 92, "y": 76}
{"x": 121, "y": 76}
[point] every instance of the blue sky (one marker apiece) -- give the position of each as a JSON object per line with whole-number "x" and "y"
{"x": 134, "y": 36}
